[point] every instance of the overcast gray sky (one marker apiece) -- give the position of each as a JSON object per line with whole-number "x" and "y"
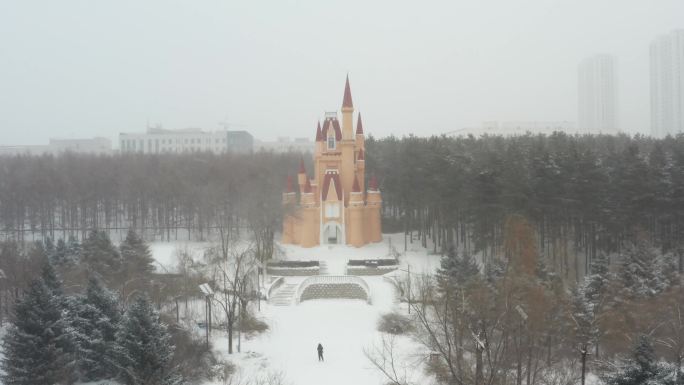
{"x": 96, "y": 68}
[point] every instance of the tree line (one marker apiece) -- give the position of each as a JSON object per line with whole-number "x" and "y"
{"x": 584, "y": 194}
{"x": 516, "y": 321}
{"x": 164, "y": 196}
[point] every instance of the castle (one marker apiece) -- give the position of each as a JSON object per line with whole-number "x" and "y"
{"x": 334, "y": 207}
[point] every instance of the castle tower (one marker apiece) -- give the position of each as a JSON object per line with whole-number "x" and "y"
{"x": 347, "y": 112}
{"x": 333, "y": 207}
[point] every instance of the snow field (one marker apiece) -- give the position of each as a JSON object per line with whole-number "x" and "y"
{"x": 344, "y": 327}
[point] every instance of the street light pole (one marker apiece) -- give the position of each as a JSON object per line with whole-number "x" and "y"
{"x": 409, "y": 289}
{"x": 408, "y": 282}
{"x": 208, "y": 293}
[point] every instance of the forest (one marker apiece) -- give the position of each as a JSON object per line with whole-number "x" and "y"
{"x": 558, "y": 253}
{"x": 584, "y": 195}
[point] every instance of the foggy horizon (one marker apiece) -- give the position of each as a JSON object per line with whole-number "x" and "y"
{"x": 78, "y": 70}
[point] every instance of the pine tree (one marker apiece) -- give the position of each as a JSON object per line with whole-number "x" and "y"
{"x": 643, "y": 368}
{"x": 144, "y": 350}
{"x": 37, "y": 347}
{"x": 456, "y": 270}
{"x": 638, "y": 276}
{"x": 596, "y": 283}
{"x": 58, "y": 257}
{"x": 137, "y": 261}
{"x": 668, "y": 271}
{"x": 73, "y": 251}
{"x": 101, "y": 256}
{"x": 96, "y": 317}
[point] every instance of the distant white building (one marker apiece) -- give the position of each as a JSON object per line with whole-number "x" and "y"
{"x": 513, "y": 128}
{"x": 597, "y": 95}
{"x": 667, "y": 84}
{"x": 285, "y": 144}
{"x": 158, "y": 140}
{"x": 56, "y": 146}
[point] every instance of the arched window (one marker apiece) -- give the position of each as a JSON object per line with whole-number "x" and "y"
{"x": 331, "y": 142}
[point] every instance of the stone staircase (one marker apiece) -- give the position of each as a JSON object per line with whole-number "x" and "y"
{"x": 323, "y": 268}
{"x": 284, "y": 296}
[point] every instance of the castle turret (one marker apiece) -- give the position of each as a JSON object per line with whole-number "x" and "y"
{"x": 361, "y": 168}
{"x": 301, "y": 175}
{"x": 360, "y": 139}
{"x": 374, "y": 204}
{"x": 355, "y": 224}
{"x": 347, "y": 112}
{"x": 310, "y": 218}
{"x": 289, "y": 201}
{"x": 319, "y": 139}
{"x": 348, "y": 144}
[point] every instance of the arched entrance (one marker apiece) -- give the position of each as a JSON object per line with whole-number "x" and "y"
{"x": 332, "y": 234}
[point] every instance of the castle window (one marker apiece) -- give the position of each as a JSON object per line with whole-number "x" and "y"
{"x": 331, "y": 143}
{"x": 332, "y": 210}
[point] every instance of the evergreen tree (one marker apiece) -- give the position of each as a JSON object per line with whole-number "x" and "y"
{"x": 73, "y": 251}
{"x": 95, "y": 320}
{"x": 643, "y": 368}
{"x": 456, "y": 270}
{"x": 58, "y": 257}
{"x": 101, "y": 256}
{"x": 638, "y": 275}
{"x": 596, "y": 283}
{"x": 668, "y": 271}
{"x": 144, "y": 349}
{"x": 137, "y": 261}
{"x": 37, "y": 346}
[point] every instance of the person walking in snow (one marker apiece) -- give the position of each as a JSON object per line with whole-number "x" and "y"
{"x": 320, "y": 352}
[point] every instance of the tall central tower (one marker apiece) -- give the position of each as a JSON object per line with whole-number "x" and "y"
{"x": 334, "y": 207}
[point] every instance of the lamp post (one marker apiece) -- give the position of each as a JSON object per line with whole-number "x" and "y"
{"x": 3, "y": 277}
{"x": 208, "y": 293}
{"x": 408, "y": 283}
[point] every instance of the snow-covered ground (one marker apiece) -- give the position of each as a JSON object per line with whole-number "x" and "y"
{"x": 344, "y": 327}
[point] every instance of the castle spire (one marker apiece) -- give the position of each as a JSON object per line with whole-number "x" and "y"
{"x": 359, "y": 126}
{"x": 302, "y": 170}
{"x": 360, "y": 156}
{"x": 355, "y": 187}
{"x": 347, "y": 101}
{"x": 373, "y": 184}
{"x": 319, "y": 133}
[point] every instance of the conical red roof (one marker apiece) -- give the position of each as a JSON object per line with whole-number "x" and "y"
{"x": 359, "y": 126}
{"x": 302, "y": 170}
{"x": 373, "y": 184}
{"x": 347, "y": 101}
{"x": 319, "y": 133}
{"x": 355, "y": 187}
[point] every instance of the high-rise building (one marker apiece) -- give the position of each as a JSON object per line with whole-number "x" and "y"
{"x": 597, "y": 95}
{"x": 667, "y": 84}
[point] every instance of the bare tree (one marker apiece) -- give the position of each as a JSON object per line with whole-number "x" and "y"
{"x": 384, "y": 357}
{"x": 233, "y": 269}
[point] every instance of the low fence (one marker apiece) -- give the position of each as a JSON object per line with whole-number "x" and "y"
{"x": 330, "y": 286}
{"x": 292, "y": 268}
{"x": 371, "y": 266}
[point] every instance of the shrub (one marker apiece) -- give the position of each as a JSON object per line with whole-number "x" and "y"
{"x": 251, "y": 324}
{"x": 394, "y": 323}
